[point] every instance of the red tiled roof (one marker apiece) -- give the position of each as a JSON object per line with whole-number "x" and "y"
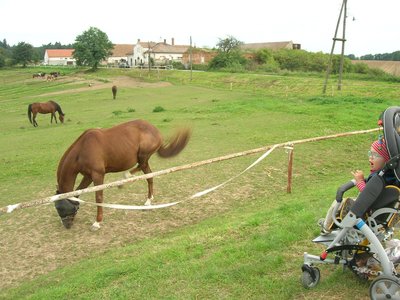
{"x": 122, "y": 50}
{"x": 271, "y": 45}
{"x": 59, "y": 52}
{"x": 166, "y": 48}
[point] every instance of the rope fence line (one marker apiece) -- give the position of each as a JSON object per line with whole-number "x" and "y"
{"x": 269, "y": 148}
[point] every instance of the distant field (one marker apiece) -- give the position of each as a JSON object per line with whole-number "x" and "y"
{"x": 391, "y": 67}
{"x": 243, "y": 241}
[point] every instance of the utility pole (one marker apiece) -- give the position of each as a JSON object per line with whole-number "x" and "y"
{"x": 343, "y": 11}
{"x": 190, "y": 58}
{"x": 148, "y": 46}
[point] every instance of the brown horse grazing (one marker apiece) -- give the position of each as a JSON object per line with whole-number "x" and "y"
{"x": 49, "y": 107}
{"x": 114, "y": 91}
{"x": 127, "y": 146}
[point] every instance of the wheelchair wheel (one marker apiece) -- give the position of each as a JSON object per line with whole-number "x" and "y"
{"x": 385, "y": 287}
{"x": 310, "y": 276}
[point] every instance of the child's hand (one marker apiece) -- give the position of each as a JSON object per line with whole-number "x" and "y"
{"x": 358, "y": 175}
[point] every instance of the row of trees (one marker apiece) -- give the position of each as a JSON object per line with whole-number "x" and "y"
{"x": 93, "y": 46}
{"x": 232, "y": 58}
{"x": 385, "y": 56}
{"x": 90, "y": 48}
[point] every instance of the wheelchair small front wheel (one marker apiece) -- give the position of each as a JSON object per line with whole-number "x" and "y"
{"x": 385, "y": 287}
{"x": 310, "y": 276}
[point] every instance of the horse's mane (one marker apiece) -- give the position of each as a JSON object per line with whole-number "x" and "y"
{"x": 58, "y": 107}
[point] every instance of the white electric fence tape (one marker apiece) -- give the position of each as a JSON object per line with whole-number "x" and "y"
{"x": 72, "y": 195}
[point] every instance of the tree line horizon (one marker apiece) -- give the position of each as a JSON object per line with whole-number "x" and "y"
{"x": 93, "y": 46}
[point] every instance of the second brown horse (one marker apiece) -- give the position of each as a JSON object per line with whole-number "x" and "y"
{"x": 114, "y": 91}
{"x": 100, "y": 151}
{"x": 49, "y": 107}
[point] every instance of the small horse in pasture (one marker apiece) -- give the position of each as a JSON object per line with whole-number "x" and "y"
{"x": 127, "y": 146}
{"x": 55, "y": 74}
{"x": 49, "y": 107}
{"x": 40, "y": 74}
{"x": 114, "y": 91}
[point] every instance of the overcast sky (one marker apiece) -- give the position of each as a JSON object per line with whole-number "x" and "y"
{"x": 372, "y": 26}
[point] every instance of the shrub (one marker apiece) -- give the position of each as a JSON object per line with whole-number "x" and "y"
{"x": 178, "y": 65}
{"x": 158, "y": 109}
{"x": 117, "y": 112}
{"x": 361, "y": 68}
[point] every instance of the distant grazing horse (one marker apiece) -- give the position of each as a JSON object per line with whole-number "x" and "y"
{"x": 40, "y": 74}
{"x": 49, "y": 107}
{"x": 114, "y": 91}
{"x": 127, "y": 146}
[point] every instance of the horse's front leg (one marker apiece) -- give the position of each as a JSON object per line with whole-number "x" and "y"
{"x": 85, "y": 182}
{"x": 98, "y": 179}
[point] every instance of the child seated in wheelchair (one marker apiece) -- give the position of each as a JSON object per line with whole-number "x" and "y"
{"x": 378, "y": 155}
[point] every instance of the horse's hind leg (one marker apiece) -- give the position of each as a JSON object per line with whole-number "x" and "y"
{"x": 35, "y": 124}
{"x": 145, "y": 167}
{"x": 129, "y": 173}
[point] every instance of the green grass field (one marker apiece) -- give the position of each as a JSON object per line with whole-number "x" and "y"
{"x": 243, "y": 241}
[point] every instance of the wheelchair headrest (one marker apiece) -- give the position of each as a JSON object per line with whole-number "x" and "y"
{"x": 390, "y": 120}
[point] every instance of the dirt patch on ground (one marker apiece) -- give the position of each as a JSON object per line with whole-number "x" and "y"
{"x": 34, "y": 242}
{"x": 121, "y": 81}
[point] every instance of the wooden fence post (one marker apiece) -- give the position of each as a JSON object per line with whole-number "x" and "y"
{"x": 289, "y": 150}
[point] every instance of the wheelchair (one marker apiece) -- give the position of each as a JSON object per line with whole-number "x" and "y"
{"x": 361, "y": 228}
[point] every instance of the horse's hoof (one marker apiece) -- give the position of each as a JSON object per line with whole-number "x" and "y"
{"x": 95, "y": 226}
{"x": 148, "y": 202}
{"x": 127, "y": 175}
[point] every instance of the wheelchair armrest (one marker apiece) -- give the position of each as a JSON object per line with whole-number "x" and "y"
{"x": 344, "y": 188}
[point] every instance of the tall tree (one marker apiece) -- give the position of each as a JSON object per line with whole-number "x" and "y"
{"x": 91, "y": 47}
{"x": 3, "y": 44}
{"x": 228, "y": 44}
{"x": 2, "y": 58}
{"x": 22, "y": 53}
{"x": 229, "y": 55}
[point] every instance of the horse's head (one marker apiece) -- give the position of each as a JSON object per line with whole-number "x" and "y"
{"x": 67, "y": 209}
{"x": 61, "y": 117}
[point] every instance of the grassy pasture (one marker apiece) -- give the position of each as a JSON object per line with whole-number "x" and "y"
{"x": 244, "y": 241}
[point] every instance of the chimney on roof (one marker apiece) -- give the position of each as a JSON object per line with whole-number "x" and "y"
{"x": 173, "y": 42}
{"x": 138, "y": 41}
{"x": 165, "y": 41}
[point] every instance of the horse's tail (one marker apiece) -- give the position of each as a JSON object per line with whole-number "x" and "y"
{"x": 30, "y": 113}
{"x": 176, "y": 144}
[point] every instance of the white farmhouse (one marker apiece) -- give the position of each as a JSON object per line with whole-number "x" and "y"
{"x": 161, "y": 53}
{"x": 121, "y": 54}
{"x": 59, "y": 57}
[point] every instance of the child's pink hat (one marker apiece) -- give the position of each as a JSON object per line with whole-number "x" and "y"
{"x": 380, "y": 147}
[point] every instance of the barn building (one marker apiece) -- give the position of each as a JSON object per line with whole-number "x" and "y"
{"x": 59, "y": 57}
